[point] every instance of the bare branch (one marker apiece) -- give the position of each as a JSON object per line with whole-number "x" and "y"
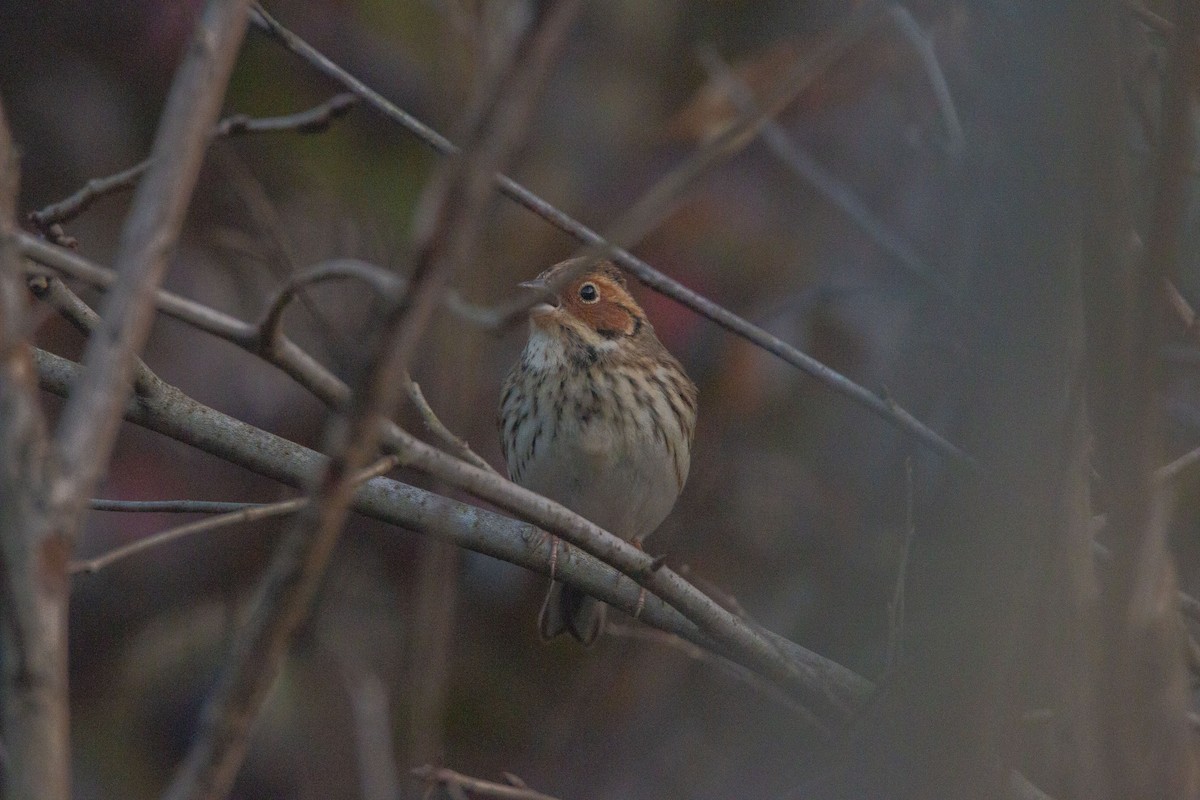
{"x": 247, "y": 513}
{"x": 860, "y": 21}
{"x": 34, "y": 727}
{"x": 174, "y": 414}
{"x": 252, "y": 514}
{"x": 920, "y": 42}
{"x": 88, "y": 426}
{"x": 288, "y": 587}
{"x": 836, "y": 191}
{"x": 313, "y": 120}
{"x": 385, "y": 284}
{"x": 1148, "y": 18}
{"x": 256, "y": 338}
{"x": 451, "y": 443}
{"x": 169, "y": 506}
{"x": 80, "y": 315}
{"x": 451, "y": 780}
{"x": 749, "y": 647}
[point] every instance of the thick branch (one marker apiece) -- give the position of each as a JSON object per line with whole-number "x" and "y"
{"x": 176, "y": 415}
{"x": 741, "y": 641}
{"x": 33, "y": 697}
{"x": 291, "y": 581}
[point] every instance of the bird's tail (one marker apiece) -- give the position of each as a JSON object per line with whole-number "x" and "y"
{"x": 568, "y": 610}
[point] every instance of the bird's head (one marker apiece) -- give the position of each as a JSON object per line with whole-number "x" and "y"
{"x": 595, "y": 305}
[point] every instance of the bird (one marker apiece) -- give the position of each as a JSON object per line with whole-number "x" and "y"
{"x": 598, "y": 416}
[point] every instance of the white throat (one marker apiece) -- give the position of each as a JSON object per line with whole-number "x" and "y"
{"x": 544, "y": 351}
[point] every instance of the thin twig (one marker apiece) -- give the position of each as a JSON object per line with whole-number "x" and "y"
{"x": 1148, "y": 18}
{"x": 388, "y": 286}
{"x": 88, "y": 426}
{"x": 749, "y": 647}
{"x": 921, "y": 43}
{"x": 854, "y": 27}
{"x": 288, "y": 587}
{"x": 313, "y": 120}
{"x": 168, "y": 506}
{"x": 174, "y": 414}
{"x": 80, "y": 315}
{"x": 253, "y": 514}
{"x": 451, "y": 780}
{"x": 247, "y": 513}
{"x": 896, "y": 606}
{"x": 451, "y": 443}
{"x": 784, "y": 148}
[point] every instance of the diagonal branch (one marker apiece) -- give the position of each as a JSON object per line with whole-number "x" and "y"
{"x": 856, "y": 25}
{"x": 88, "y": 427}
{"x": 178, "y": 416}
{"x": 287, "y": 590}
{"x": 740, "y": 641}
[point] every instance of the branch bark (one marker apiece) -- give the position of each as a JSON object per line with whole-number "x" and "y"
{"x": 88, "y": 427}
{"x": 850, "y": 31}
{"x": 47, "y": 512}
{"x": 33, "y": 696}
{"x": 178, "y": 416}
{"x": 459, "y": 202}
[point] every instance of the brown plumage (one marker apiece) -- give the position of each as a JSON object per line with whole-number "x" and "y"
{"x": 598, "y": 416}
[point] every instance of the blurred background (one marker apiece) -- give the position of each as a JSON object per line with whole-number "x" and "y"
{"x": 796, "y": 503}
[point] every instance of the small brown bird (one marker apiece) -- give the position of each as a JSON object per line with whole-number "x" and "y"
{"x": 599, "y": 417}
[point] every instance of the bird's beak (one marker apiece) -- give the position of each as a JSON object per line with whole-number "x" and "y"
{"x": 548, "y": 297}
{"x": 537, "y": 285}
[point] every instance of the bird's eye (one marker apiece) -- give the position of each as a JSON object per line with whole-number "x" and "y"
{"x": 588, "y": 293}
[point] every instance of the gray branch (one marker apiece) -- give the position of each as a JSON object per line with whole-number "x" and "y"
{"x": 853, "y": 28}
{"x": 178, "y": 416}
{"x": 88, "y": 427}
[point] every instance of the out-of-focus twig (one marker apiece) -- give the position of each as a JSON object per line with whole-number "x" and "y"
{"x": 180, "y": 417}
{"x": 1148, "y": 18}
{"x": 35, "y": 723}
{"x": 34, "y": 727}
{"x": 896, "y": 605}
{"x": 835, "y": 190}
{"x": 169, "y": 506}
{"x": 313, "y": 120}
{"x": 456, "y": 784}
{"x": 286, "y": 591}
{"x": 856, "y": 25}
{"x": 378, "y": 775}
{"x": 911, "y": 29}
{"x": 88, "y": 426}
